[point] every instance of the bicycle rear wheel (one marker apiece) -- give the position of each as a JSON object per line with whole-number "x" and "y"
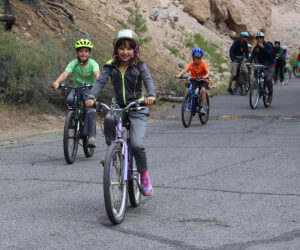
{"x": 186, "y": 110}
{"x": 204, "y": 117}
{"x": 296, "y": 72}
{"x": 71, "y": 137}
{"x": 88, "y": 152}
{"x": 114, "y": 187}
{"x": 134, "y": 184}
{"x": 254, "y": 95}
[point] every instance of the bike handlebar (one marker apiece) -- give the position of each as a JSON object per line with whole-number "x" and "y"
{"x": 63, "y": 86}
{"x": 136, "y": 104}
{"x": 188, "y": 78}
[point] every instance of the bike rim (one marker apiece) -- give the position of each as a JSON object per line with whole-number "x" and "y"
{"x": 254, "y": 97}
{"x": 187, "y": 109}
{"x": 117, "y": 186}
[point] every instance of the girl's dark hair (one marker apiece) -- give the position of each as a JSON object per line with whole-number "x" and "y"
{"x": 135, "y": 61}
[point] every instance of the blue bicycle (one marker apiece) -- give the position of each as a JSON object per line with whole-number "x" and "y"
{"x": 191, "y": 104}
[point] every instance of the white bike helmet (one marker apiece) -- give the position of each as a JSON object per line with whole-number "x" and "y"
{"x": 259, "y": 34}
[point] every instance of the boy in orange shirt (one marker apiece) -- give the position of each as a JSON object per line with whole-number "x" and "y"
{"x": 198, "y": 68}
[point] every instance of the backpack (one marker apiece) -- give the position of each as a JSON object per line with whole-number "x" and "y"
{"x": 274, "y": 52}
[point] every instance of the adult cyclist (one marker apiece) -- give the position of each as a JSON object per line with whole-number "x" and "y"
{"x": 263, "y": 53}
{"x": 237, "y": 52}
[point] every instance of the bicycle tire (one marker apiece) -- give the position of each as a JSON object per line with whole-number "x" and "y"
{"x": 267, "y": 103}
{"x": 88, "y": 152}
{"x": 70, "y": 126}
{"x": 134, "y": 184}
{"x": 254, "y": 96}
{"x": 204, "y": 118}
{"x": 186, "y": 108}
{"x": 286, "y": 76}
{"x": 115, "y": 209}
{"x": 295, "y": 72}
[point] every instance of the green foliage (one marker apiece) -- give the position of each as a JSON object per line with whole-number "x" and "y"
{"x": 173, "y": 25}
{"x": 173, "y": 85}
{"x": 27, "y": 71}
{"x": 173, "y": 50}
{"x": 138, "y": 22}
{"x": 293, "y": 59}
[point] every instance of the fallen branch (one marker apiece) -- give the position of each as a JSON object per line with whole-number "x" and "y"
{"x": 68, "y": 12}
{"x": 45, "y": 20}
{"x": 171, "y": 98}
{"x": 74, "y": 5}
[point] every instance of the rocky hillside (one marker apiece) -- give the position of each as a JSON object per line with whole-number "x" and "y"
{"x": 169, "y": 24}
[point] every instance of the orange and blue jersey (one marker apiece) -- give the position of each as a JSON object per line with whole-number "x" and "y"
{"x": 198, "y": 70}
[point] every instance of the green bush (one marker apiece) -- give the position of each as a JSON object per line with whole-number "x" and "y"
{"x": 293, "y": 59}
{"x": 173, "y": 50}
{"x": 27, "y": 71}
{"x": 173, "y": 85}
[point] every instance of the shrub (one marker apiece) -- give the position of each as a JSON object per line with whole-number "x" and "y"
{"x": 173, "y": 85}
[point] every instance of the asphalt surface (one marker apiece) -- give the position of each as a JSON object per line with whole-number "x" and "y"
{"x": 233, "y": 183}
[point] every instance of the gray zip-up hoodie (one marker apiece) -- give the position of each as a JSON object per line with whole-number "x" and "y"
{"x": 127, "y": 86}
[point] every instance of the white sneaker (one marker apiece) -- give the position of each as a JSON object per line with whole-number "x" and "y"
{"x": 91, "y": 142}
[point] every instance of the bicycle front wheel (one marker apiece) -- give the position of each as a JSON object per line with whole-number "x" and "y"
{"x": 296, "y": 72}
{"x": 186, "y": 110}
{"x": 254, "y": 95}
{"x": 267, "y": 101}
{"x": 286, "y": 76}
{"x": 204, "y": 117}
{"x": 71, "y": 137}
{"x": 134, "y": 184}
{"x": 114, "y": 187}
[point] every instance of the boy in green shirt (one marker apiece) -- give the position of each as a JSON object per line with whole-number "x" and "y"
{"x": 85, "y": 71}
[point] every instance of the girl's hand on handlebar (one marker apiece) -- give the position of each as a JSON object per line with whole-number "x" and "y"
{"x": 89, "y": 103}
{"x": 149, "y": 100}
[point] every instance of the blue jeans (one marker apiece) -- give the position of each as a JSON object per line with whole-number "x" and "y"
{"x": 89, "y": 119}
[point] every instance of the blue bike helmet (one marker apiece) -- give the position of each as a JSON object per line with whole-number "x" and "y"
{"x": 245, "y": 34}
{"x": 197, "y": 52}
{"x": 277, "y": 41}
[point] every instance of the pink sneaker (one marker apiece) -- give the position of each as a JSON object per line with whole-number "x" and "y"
{"x": 147, "y": 188}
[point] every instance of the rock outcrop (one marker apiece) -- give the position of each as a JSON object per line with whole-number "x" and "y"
{"x": 235, "y": 15}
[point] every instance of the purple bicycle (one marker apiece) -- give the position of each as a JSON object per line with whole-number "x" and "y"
{"x": 120, "y": 171}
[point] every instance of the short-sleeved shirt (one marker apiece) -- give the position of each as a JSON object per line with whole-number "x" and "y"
{"x": 198, "y": 70}
{"x": 83, "y": 73}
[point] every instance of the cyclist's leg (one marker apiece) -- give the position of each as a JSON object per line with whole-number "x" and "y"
{"x": 89, "y": 119}
{"x": 234, "y": 68}
{"x": 138, "y": 123}
{"x": 281, "y": 66}
{"x": 109, "y": 128}
{"x": 204, "y": 87}
{"x": 245, "y": 71}
{"x": 268, "y": 79}
{"x": 276, "y": 71}
{"x": 70, "y": 98}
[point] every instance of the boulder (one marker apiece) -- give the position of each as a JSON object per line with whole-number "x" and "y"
{"x": 199, "y": 9}
{"x": 154, "y": 13}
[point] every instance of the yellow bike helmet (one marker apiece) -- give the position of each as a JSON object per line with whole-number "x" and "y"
{"x": 83, "y": 43}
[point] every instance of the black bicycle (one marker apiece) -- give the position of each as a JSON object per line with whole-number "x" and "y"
{"x": 258, "y": 88}
{"x": 73, "y": 129}
{"x": 191, "y": 103}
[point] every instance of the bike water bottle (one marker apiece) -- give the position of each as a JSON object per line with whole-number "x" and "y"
{"x": 196, "y": 91}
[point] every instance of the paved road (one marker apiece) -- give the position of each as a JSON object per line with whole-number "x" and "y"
{"x": 231, "y": 184}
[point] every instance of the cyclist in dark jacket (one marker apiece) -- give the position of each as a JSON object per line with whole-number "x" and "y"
{"x": 237, "y": 52}
{"x": 279, "y": 61}
{"x": 263, "y": 53}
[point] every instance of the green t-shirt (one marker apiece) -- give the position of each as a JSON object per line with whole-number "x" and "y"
{"x": 83, "y": 73}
